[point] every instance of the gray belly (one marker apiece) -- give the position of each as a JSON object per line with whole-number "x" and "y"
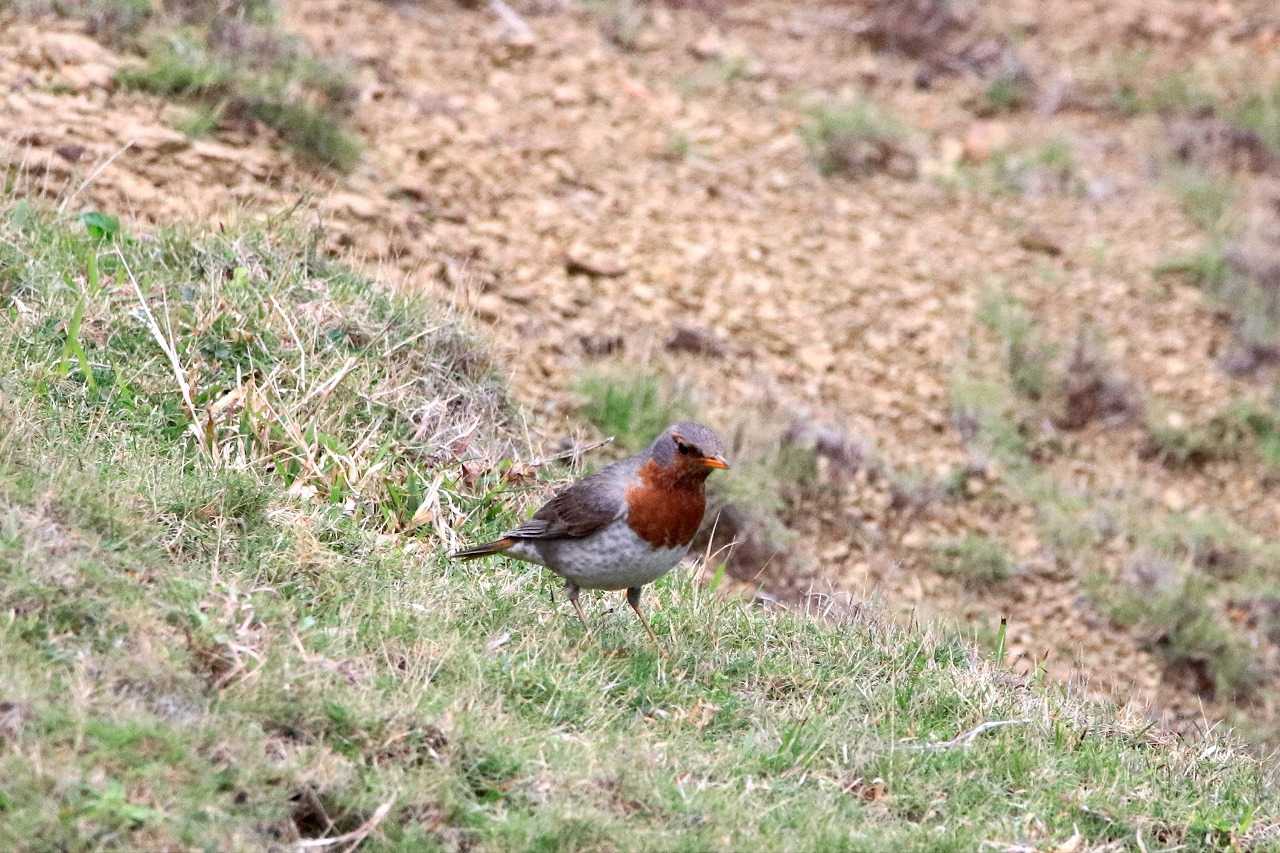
{"x": 611, "y": 558}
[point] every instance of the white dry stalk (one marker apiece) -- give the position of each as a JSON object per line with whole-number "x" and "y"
{"x": 179, "y": 375}
{"x": 355, "y": 836}
{"x": 965, "y": 740}
{"x": 516, "y": 24}
{"x": 93, "y": 176}
{"x": 293, "y": 333}
{"x": 324, "y": 389}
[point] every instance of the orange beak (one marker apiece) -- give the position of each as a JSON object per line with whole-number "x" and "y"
{"x": 714, "y": 462}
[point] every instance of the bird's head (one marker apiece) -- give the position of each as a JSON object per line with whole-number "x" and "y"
{"x": 689, "y": 451}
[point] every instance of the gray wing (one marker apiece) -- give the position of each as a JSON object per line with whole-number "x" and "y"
{"x": 580, "y": 509}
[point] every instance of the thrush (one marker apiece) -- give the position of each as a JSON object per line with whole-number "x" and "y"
{"x": 624, "y": 526}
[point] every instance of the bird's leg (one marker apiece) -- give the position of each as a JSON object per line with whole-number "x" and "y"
{"x": 571, "y": 590}
{"x": 633, "y": 598}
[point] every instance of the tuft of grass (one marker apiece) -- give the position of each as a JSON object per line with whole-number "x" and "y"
{"x": 1206, "y": 199}
{"x": 1007, "y": 92}
{"x": 1050, "y": 168}
{"x": 1206, "y": 267}
{"x": 631, "y": 408}
{"x": 985, "y": 414}
{"x": 976, "y": 559}
{"x": 1243, "y": 427}
{"x": 1172, "y": 608}
{"x": 621, "y": 21}
{"x": 215, "y": 638}
{"x": 257, "y": 75}
{"x": 853, "y": 139}
{"x": 201, "y": 120}
{"x": 230, "y": 61}
{"x": 1259, "y": 112}
{"x": 1027, "y": 356}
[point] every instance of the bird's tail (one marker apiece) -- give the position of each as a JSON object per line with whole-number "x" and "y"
{"x": 497, "y": 546}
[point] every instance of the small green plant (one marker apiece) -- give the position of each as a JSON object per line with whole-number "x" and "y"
{"x": 1206, "y": 199}
{"x": 984, "y": 412}
{"x": 976, "y": 559}
{"x": 679, "y": 146}
{"x": 632, "y": 409}
{"x": 229, "y": 61}
{"x": 1027, "y": 356}
{"x": 1176, "y": 614}
{"x": 1184, "y": 446}
{"x": 1180, "y": 93}
{"x": 1206, "y": 267}
{"x": 1260, "y": 113}
{"x": 1006, "y": 93}
{"x": 281, "y": 86}
{"x": 181, "y": 66}
{"x": 1135, "y": 87}
{"x": 621, "y": 21}
{"x": 1050, "y": 168}
{"x": 854, "y": 139}
{"x": 202, "y": 120}
{"x": 1242, "y": 427}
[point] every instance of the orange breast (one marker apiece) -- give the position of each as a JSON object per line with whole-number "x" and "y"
{"x": 662, "y": 510}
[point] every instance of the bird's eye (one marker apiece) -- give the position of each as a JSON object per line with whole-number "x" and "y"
{"x": 684, "y": 448}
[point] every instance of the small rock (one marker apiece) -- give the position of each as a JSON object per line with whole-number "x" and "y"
{"x": 1036, "y": 240}
{"x": 490, "y": 306}
{"x": 710, "y": 46}
{"x": 580, "y": 259}
{"x": 91, "y": 75}
{"x": 597, "y": 346}
{"x": 73, "y": 49}
{"x": 816, "y": 357}
{"x": 354, "y": 204}
{"x": 696, "y": 341}
{"x": 983, "y": 139}
{"x": 913, "y": 539}
{"x": 70, "y": 153}
{"x": 1174, "y": 500}
{"x": 157, "y": 140}
{"x": 567, "y": 95}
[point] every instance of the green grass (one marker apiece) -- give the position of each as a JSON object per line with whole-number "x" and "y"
{"x": 975, "y": 559}
{"x": 1260, "y": 113}
{"x": 228, "y": 622}
{"x": 1006, "y": 93}
{"x": 632, "y": 408}
{"x": 231, "y": 62}
{"x": 851, "y": 138}
{"x": 1178, "y": 620}
{"x": 1206, "y": 199}
{"x": 1245, "y": 429}
{"x": 1048, "y": 168}
{"x": 1027, "y": 355}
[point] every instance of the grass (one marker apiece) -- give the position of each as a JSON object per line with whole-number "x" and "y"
{"x": 229, "y": 623}
{"x": 1173, "y": 608}
{"x": 631, "y": 408}
{"x": 1244, "y": 429}
{"x": 1048, "y": 168}
{"x": 852, "y": 139}
{"x": 1205, "y": 198}
{"x": 1259, "y": 112}
{"x": 1007, "y": 92}
{"x": 1027, "y": 356}
{"x": 231, "y": 63}
{"x": 976, "y": 559}
{"x": 1184, "y": 570}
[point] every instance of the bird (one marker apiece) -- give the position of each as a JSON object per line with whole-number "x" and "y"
{"x": 624, "y": 526}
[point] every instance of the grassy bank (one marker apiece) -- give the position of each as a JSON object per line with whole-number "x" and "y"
{"x": 229, "y": 472}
